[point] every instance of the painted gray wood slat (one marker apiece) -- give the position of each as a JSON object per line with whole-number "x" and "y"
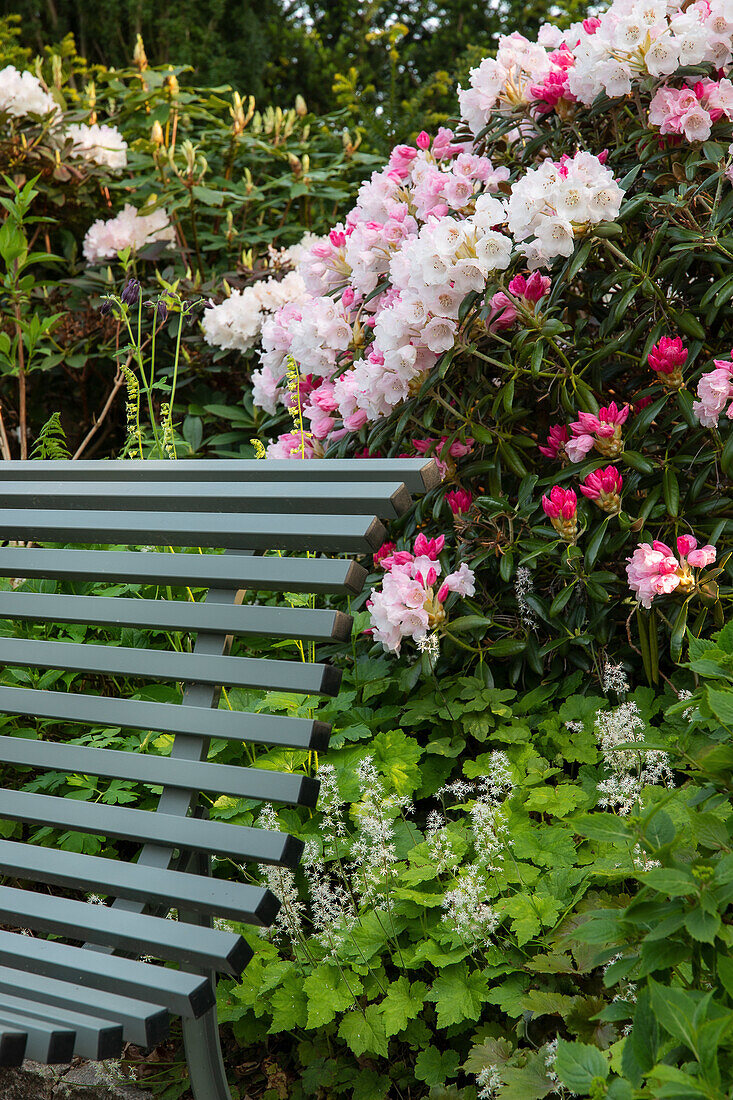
{"x": 272, "y": 574}
{"x": 240, "y": 842}
{"x": 257, "y": 783}
{"x": 12, "y": 1047}
{"x": 116, "y": 878}
{"x": 47, "y": 1043}
{"x": 275, "y": 622}
{"x": 418, "y": 474}
{"x": 228, "y": 725}
{"x": 387, "y": 500}
{"x": 155, "y": 664}
{"x": 176, "y": 990}
{"x": 332, "y": 534}
{"x": 95, "y": 1039}
{"x": 143, "y": 1023}
{"x": 137, "y": 933}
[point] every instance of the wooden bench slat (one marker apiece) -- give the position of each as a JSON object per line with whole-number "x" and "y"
{"x": 266, "y": 574}
{"x": 418, "y": 474}
{"x": 137, "y": 714}
{"x": 12, "y": 1047}
{"x": 95, "y": 1039}
{"x": 258, "y": 783}
{"x": 47, "y": 1043}
{"x": 157, "y": 664}
{"x": 236, "y": 901}
{"x": 330, "y": 534}
{"x": 142, "y": 1023}
{"x": 178, "y": 991}
{"x": 137, "y": 933}
{"x": 240, "y": 842}
{"x": 242, "y": 619}
{"x": 387, "y": 500}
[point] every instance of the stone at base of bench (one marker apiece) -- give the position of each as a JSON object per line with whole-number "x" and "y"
{"x": 86, "y": 1081}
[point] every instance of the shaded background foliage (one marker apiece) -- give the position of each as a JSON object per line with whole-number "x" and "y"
{"x": 280, "y": 48}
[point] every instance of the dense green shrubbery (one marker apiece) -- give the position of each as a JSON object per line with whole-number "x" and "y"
{"x": 232, "y": 179}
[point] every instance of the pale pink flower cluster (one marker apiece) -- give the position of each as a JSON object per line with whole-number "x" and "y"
{"x": 428, "y": 228}
{"x": 653, "y": 570}
{"x": 631, "y": 41}
{"x": 554, "y": 204}
{"x": 21, "y": 93}
{"x": 103, "y": 145}
{"x": 236, "y": 323}
{"x": 635, "y": 39}
{"x": 129, "y": 229}
{"x": 408, "y": 605}
{"x": 714, "y": 392}
{"x": 504, "y": 81}
{"x": 690, "y": 111}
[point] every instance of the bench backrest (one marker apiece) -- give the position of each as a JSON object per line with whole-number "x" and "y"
{"x": 246, "y": 509}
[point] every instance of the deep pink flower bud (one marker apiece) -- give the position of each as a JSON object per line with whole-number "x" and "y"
{"x": 604, "y": 487}
{"x": 460, "y": 501}
{"x": 423, "y": 140}
{"x": 533, "y": 289}
{"x": 561, "y": 507}
{"x": 429, "y": 548}
{"x": 431, "y": 578}
{"x": 686, "y": 543}
{"x": 590, "y": 26}
{"x": 667, "y": 358}
{"x": 383, "y": 552}
{"x": 347, "y": 298}
{"x": 337, "y": 238}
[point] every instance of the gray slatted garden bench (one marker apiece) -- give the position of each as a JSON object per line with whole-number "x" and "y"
{"x": 94, "y": 984}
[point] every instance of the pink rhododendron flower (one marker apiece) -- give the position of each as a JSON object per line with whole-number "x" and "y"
{"x": 407, "y": 604}
{"x": 602, "y": 432}
{"x": 462, "y": 582}
{"x": 503, "y": 310}
{"x": 460, "y": 501}
{"x": 557, "y": 437}
{"x": 561, "y": 507}
{"x": 604, "y": 488}
{"x": 690, "y": 111}
{"x": 715, "y": 391}
{"x": 653, "y": 570}
{"x": 667, "y": 358}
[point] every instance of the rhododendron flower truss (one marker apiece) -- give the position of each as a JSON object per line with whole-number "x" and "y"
{"x": 667, "y": 358}
{"x": 602, "y": 432}
{"x": 411, "y": 602}
{"x": 459, "y": 501}
{"x": 561, "y": 507}
{"x": 603, "y": 487}
{"x": 654, "y": 570}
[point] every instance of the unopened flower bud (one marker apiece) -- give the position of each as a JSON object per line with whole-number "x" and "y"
{"x": 300, "y": 106}
{"x": 561, "y": 509}
{"x": 156, "y": 134}
{"x": 139, "y": 56}
{"x": 131, "y": 293}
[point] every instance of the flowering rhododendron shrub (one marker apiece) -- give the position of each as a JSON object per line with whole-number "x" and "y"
{"x": 546, "y": 282}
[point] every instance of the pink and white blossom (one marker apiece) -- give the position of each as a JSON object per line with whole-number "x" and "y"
{"x": 654, "y": 570}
